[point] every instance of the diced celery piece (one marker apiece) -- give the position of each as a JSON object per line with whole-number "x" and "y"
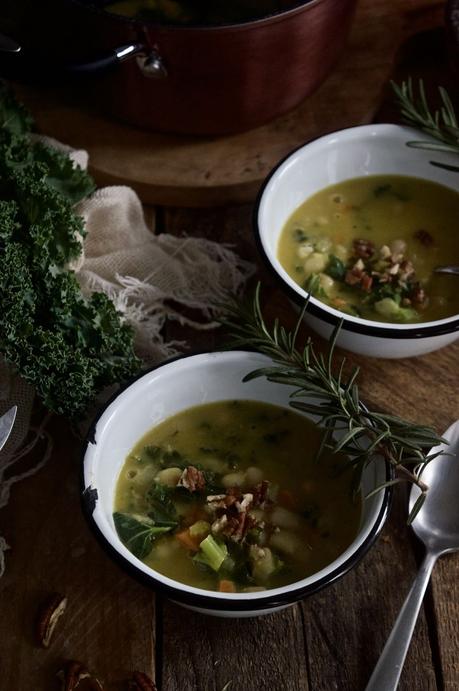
{"x": 212, "y": 552}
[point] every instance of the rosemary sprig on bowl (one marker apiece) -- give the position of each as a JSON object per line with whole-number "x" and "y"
{"x": 323, "y": 390}
{"x": 441, "y": 124}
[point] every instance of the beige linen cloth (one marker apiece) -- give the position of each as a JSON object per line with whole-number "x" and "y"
{"x": 150, "y": 279}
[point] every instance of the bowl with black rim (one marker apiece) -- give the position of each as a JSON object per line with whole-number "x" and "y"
{"x": 155, "y": 396}
{"x": 379, "y": 149}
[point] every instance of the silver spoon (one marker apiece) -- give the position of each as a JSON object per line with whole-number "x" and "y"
{"x": 437, "y": 525}
{"x": 447, "y": 270}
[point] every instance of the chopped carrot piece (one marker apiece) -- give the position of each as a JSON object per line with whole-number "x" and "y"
{"x": 187, "y": 540}
{"x": 226, "y": 587}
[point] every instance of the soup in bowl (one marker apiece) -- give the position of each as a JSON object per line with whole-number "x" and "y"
{"x": 358, "y": 221}
{"x": 208, "y": 488}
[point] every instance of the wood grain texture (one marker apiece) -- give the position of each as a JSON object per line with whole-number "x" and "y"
{"x": 347, "y": 625}
{"x": 445, "y": 593}
{"x": 109, "y": 620}
{"x": 209, "y": 171}
{"x": 205, "y": 653}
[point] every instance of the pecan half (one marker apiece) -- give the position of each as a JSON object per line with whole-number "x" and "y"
{"x": 424, "y": 237}
{"x": 353, "y": 277}
{"x": 363, "y": 248}
{"x": 73, "y": 673}
{"x": 260, "y": 493}
{"x": 50, "y": 611}
{"x": 192, "y": 479}
{"x": 418, "y": 296}
{"x": 238, "y": 525}
{"x": 141, "y": 682}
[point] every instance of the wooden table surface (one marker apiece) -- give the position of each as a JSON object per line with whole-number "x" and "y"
{"x": 328, "y": 641}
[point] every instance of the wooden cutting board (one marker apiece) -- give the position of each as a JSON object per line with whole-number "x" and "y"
{"x": 197, "y": 171}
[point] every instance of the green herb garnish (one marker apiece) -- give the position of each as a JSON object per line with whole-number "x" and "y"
{"x": 441, "y": 124}
{"x": 138, "y": 532}
{"x": 161, "y": 506}
{"x": 335, "y": 268}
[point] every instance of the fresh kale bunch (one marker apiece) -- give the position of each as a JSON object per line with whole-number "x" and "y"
{"x": 69, "y": 347}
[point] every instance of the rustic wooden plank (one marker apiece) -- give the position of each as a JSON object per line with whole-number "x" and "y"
{"x": 445, "y": 593}
{"x": 109, "y": 621}
{"x": 346, "y": 625}
{"x": 205, "y": 653}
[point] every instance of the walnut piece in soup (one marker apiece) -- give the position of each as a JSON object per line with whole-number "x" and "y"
{"x": 228, "y": 496}
{"x": 368, "y": 247}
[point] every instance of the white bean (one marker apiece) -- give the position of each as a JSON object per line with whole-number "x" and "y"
{"x": 168, "y": 477}
{"x": 284, "y": 518}
{"x": 341, "y": 252}
{"x": 288, "y": 543}
{"x": 323, "y": 245}
{"x": 326, "y": 282}
{"x": 144, "y": 474}
{"x": 315, "y": 263}
{"x": 304, "y": 250}
{"x": 253, "y": 476}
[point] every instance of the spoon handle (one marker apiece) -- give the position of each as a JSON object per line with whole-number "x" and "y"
{"x": 387, "y": 672}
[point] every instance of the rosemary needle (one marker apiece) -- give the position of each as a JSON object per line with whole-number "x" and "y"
{"x": 322, "y": 389}
{"x": 440, "y": 124}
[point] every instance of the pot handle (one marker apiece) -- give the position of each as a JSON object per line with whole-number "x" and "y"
{"x": 15, "y": 63}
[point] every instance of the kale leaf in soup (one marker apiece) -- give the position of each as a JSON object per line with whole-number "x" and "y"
{"x": 227, "y": 496}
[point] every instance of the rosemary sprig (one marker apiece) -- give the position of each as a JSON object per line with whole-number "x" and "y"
{"x": 321, "y": 389}
{"x": 441, "y": 124}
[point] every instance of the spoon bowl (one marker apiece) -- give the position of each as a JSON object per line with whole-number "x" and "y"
{"x": 437, "y": 523}
{"x": 454, "y": 270}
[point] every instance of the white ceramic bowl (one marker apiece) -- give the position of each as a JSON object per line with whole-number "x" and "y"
{"x": 352, "y": 153}
{"x": 155, "y": 396}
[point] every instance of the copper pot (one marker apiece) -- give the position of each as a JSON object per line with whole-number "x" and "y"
{"x": 207, "y": 80}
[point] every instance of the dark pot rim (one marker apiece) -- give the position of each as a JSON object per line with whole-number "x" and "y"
{"x": 370, "y": 328}
{"x": 212, "y": 601}
{"x": 296, "y": 8}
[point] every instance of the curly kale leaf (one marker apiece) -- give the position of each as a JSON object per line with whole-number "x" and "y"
{"x": 20, "y": 150}
{"x": 14, "y": 117}
{"x": 68, "y": 346}
{"x": 62, "y": 175}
